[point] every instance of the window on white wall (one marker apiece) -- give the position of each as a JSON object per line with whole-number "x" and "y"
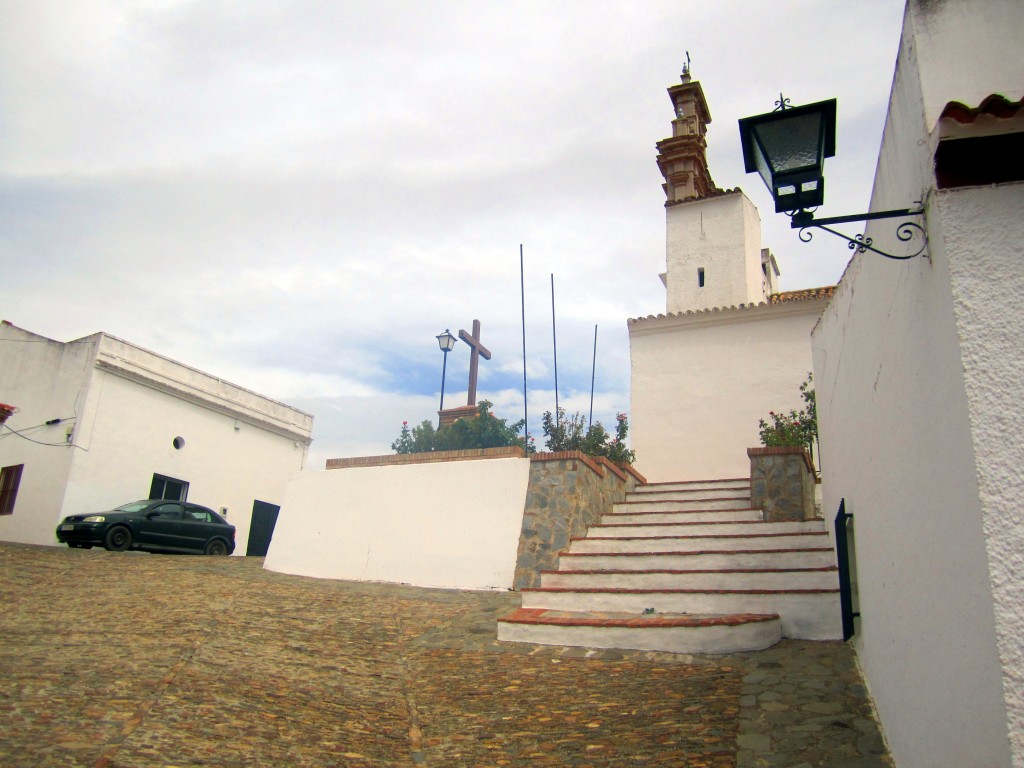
{"x": 164, "y": 487}
{"x": 700, "y": 277}
{"x": 10, "y": 479}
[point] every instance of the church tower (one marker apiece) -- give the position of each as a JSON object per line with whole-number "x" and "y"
{"x": 713, "y": 254}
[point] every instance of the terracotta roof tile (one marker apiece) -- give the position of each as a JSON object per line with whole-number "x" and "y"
{"x": 807, "y": 294}
{"x": 994, "y": 105}
{"x": 787, "y": 297}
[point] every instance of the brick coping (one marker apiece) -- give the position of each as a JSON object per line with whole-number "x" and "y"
{"x": 783, "y": 450}
{"x": 598, "y": 464}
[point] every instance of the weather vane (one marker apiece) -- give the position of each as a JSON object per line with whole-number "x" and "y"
{"x": 686, "y": 68}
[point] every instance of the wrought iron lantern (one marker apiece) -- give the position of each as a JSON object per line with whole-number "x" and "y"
{"x": 788, "y": 148}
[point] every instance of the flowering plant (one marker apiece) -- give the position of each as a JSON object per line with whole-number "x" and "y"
{"x": 796, "y": 427}
{"x": 571, "y": 434}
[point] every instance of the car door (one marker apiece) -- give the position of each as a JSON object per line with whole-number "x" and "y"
{"x": 160, "y": 526}
{"x": 197, "y": 527}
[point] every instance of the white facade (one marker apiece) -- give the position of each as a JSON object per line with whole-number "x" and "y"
{"x": 713, "y": 254}
{"x": 919, "y": 374}
{"x": 117, "y": 410}
{"x": 450, "y": 524}
{"x": 729, "y": 349}
{"x": 701, "y": 381}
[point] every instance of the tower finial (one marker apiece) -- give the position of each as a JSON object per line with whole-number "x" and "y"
{"x": 686, "y": 69}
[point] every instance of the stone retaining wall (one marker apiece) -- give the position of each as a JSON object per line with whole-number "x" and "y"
{"x": 568, "y": 492}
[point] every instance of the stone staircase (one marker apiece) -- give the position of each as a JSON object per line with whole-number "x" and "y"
{"x": 685, "y": 567}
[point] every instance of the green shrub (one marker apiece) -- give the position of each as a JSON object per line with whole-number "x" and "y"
{"x": 796, "y": 427}
{"x": 483, "y": 431}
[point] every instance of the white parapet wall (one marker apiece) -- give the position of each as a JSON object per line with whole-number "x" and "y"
{"x": 450, "y": 524}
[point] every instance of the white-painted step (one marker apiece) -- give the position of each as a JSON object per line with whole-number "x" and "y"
{"x": 821, "y": 557}
{"x": 699, "y": 516}
{"x": 703, "y": 529}
{"x": 738, "y": 579}
{"x": 807, "y": 615}
{"x": 681, "y": 505}
{"x": 671, "y": 633}
{"x": 692, "y": 486}
{"x": 700, "y": 543}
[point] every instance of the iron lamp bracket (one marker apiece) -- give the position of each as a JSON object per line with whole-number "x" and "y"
{"x": 906, "y": 231}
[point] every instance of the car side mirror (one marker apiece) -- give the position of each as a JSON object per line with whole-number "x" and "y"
{"x": 151, "y": 515}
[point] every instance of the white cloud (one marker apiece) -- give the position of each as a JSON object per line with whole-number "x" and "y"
{"x": 299, "y": 196}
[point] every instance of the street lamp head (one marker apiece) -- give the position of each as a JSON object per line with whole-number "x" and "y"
{"x": 446, "y": 341}
{"x": 788, "y": 148}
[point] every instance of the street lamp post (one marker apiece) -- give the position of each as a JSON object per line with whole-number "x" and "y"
{"x": 447, "y": 343}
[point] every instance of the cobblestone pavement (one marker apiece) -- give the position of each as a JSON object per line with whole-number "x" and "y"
{"x": 113, "y": 660}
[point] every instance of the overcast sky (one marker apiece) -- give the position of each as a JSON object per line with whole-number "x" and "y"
{"x": 299, "y": 195}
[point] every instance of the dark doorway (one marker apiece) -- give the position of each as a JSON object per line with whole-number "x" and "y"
{"x": 164, "y": 487}
{"x": 261, "y": 528}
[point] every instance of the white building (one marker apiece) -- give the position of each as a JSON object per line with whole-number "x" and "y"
{"x": 100, "y": 422}
{"x": 919, "y": 373}
{"x": 729, "y": 348}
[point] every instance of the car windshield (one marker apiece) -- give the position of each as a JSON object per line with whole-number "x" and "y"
{"x": 134, "y": 506}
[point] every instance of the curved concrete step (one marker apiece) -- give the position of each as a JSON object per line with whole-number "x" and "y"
{"x": 747, "y": 515}
{"x": 710, "y": 579}
{"x": 805, "y": 614}
{"x": 672, "y": 633}
{"x": 820, "y": 557}
{"x": 700, "y": 529}
{"x": 699, "y": 543}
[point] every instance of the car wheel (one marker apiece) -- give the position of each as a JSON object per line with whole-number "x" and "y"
{"x": 118, "y": 539}
{"x": 216, "y": 547}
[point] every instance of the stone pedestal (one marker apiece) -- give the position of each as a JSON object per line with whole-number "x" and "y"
{"x": 449, "y": 416}
{"x": 782, "y": 483}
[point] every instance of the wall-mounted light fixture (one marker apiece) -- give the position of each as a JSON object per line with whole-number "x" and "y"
{"x": 788, "y": 147}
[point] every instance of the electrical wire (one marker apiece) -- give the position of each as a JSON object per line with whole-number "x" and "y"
{"x": 38, "y": 442}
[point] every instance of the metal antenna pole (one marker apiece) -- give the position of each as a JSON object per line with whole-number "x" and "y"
{"x": 593, "y": 374}
{"x": 522, "y": 298}
{"x": 554, "y": 344}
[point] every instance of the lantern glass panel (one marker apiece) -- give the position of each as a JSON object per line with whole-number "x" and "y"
{"x": 792, "y": 143}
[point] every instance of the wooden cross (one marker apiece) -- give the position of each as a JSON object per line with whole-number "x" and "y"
{"x": 479, "y": 350}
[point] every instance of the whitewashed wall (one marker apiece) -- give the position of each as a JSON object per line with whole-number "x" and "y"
{"x": 722, "y": 235}
{"x": 919, "y": 381}
{"x": 122, "y": 406}
{"x": 453, "y": 524}
{"x": 43, "y": 378}
{"x": 129, "y": 434}
{"x": 702, "y": 381}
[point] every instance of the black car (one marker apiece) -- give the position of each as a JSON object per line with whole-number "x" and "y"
{"x": 152, "y": 525}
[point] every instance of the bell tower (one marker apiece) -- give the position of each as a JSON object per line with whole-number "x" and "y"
{"x": 713, "y": 255}
{"x": 682, "y": 158}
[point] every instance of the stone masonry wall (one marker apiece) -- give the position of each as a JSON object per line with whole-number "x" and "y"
{"x": 568, "y": 492}
{"x": 782, "y": 483}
